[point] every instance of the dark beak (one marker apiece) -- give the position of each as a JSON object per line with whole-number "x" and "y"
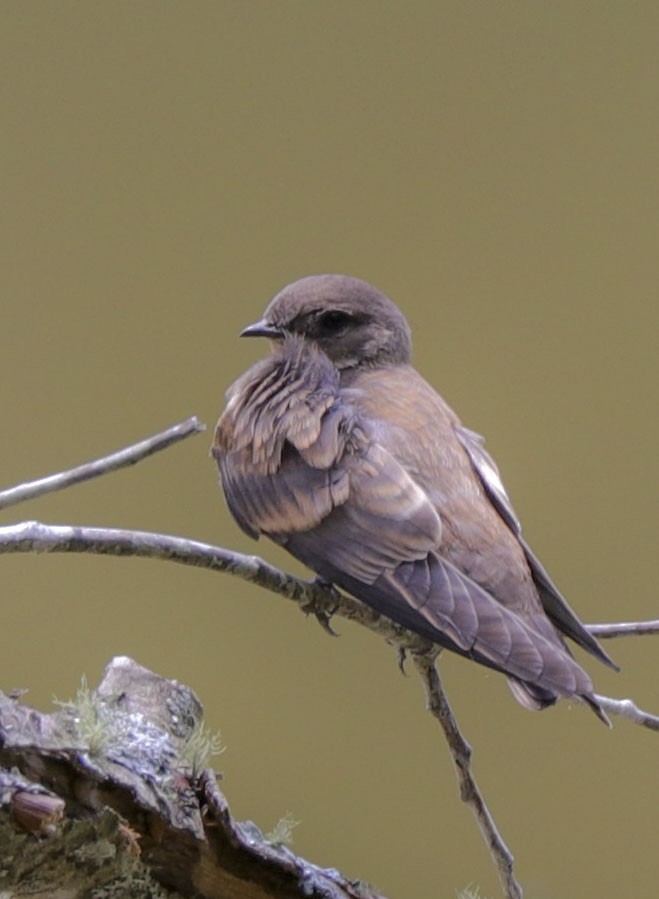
{"x": 262, "y": 329}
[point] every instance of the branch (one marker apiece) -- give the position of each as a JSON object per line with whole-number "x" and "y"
{"x": 315, "y": 597}
{"x": 85, "y": 472}
{"x": 312, "y": 596}
{"x": 627, "y": 708}
{"x": 624, "y": 629}
{"x": 460, "y": 750}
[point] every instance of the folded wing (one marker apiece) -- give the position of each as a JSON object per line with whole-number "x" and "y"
{"x": 299, "y": 464}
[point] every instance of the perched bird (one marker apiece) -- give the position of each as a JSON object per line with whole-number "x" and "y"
{"x": 337, "y": 449}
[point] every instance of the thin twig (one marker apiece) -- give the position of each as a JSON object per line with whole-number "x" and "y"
{"x": 624, "y": 629}
{"x": 460, "y": 750}
{"x": 127, "y": 456}
{"x": 627, "y": 708}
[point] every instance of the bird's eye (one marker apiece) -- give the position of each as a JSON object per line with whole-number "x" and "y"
{"x": 334, "y": 320}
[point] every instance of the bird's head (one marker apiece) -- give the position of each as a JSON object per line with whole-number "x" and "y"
{"x": 349, "y": 320}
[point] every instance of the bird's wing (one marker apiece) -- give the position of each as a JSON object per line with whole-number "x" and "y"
{"x": 554, "y": 604}
{"x": 386, "y": 517}
{"x": 381, "y": 544}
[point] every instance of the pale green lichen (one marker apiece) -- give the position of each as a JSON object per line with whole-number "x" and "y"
{"x": 282, "y": 833}
{"x": 91, "y": 722}
{"x": 200, "y": 747}
{"x": 470, "y": 893}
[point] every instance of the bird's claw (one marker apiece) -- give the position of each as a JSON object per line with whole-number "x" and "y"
{"x": 323, "y": 608}
{"x": 414, "y": 648}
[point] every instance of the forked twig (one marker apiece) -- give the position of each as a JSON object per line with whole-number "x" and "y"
{"x": 310, "y": 596}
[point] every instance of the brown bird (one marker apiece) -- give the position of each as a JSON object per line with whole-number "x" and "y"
{"x": 337, "y": 449}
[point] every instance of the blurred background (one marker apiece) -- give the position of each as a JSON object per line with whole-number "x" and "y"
{"x": 166, "y": 168}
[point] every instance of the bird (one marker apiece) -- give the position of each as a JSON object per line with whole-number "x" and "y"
{"x": 336, "y": 448}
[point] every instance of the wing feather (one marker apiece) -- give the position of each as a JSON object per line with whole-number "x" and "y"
{"x": 553, "y": 602}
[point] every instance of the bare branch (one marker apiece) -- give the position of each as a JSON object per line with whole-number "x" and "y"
{"x": 624, "y": 629}
{"x": 123, "y": 457}
{"x": 460, "y": 750}
{"x": 627, "y": 708}
{"x": 312, "y": 596}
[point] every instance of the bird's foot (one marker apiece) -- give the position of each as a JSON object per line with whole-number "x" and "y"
{"x": 415, "y": 647}
{"x": 323, "y": 607}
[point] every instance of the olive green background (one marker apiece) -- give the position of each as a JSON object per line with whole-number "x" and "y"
{"x": 166, "y": 167}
